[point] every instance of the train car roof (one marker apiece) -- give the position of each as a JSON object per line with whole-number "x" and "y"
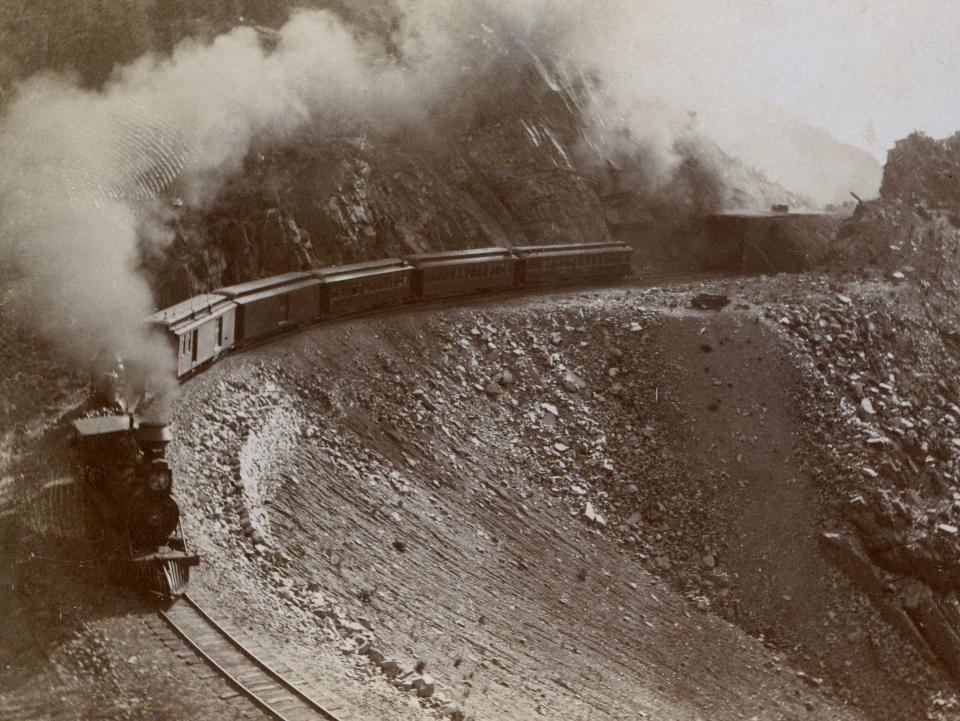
{"x": 306, "y": 282}
{"x": 190, "y": 308}
{"x": 369, "y": 273}
{"x": 255, "y": 286}
{"x": 765, "y": 214}
{"x": 570, "y": 247}
{"x": 457, "y": 255}
{"x": 188, "y": 324}
{"x": 483, "y": 260}
{"x": 104, "y": 425}
{"x": 355, "y": 268}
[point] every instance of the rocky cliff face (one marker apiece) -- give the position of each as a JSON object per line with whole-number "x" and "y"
{"x": 514, "y": 143}
{"x": 923, "y": 171}
{"x": 507, "y": 175}
{"x": 522, "y": 168}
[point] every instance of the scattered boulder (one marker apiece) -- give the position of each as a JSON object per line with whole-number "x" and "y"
{"x": 424, "y": 686}
{"x": 709, "y": 301}
{"x": 573, "y": 383}
{"x": 493, "y": 388}
{"x": 390, "y": 668}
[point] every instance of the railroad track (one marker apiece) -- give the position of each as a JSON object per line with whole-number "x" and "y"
{"x": 252, "y": 677}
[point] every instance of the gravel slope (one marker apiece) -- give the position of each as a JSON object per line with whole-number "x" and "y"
{"x": 575, "y": 505}
{"x": 548, "y": 506}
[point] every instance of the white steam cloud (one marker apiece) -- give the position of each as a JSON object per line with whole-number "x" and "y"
{"x": 81, "y": 170}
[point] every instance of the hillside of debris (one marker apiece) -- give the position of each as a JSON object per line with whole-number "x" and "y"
{"x": 473, "y": 502}
{"x": 455, "y": 511}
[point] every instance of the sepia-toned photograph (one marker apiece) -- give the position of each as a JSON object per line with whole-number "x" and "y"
{"x": 479, "y": 360}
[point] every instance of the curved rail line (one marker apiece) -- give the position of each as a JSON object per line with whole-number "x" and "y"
{"x": 266, "y": 687}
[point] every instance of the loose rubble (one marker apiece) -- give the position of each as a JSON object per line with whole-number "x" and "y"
{"x": 575, "y": 401}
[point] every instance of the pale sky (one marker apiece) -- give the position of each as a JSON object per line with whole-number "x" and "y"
{"x": 870, "y": 72}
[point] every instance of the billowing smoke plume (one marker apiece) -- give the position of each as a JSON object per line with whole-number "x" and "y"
{"x": 83, "y": 173}
{"x": 82, "y": 170}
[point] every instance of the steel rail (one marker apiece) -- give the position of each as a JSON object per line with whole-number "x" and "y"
{"x": 252, "y": 659}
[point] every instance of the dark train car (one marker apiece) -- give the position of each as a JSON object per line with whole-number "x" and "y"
{"x": 442, "y": 275}
{"x": 541, "y": 265}
{"x": 362, "y": 286}
{"x": 267, "y": 305}
{"x": 200, "y": 328}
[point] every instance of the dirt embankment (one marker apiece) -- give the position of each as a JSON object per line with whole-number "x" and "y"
{"x": 576, "y": 505}
{"x": 588, "y": 506}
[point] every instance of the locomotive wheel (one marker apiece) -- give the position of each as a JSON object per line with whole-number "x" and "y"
{"x": 151, "y": 518}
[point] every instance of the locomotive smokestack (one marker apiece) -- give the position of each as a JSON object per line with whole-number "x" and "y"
{"x": 154, "y": 431}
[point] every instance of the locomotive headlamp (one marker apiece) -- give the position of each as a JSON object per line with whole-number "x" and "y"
{"x": 158, "y": 480}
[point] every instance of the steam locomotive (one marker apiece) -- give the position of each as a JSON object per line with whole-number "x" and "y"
{"x": 127, "y": 485}
{"x": 206, "y": 326}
